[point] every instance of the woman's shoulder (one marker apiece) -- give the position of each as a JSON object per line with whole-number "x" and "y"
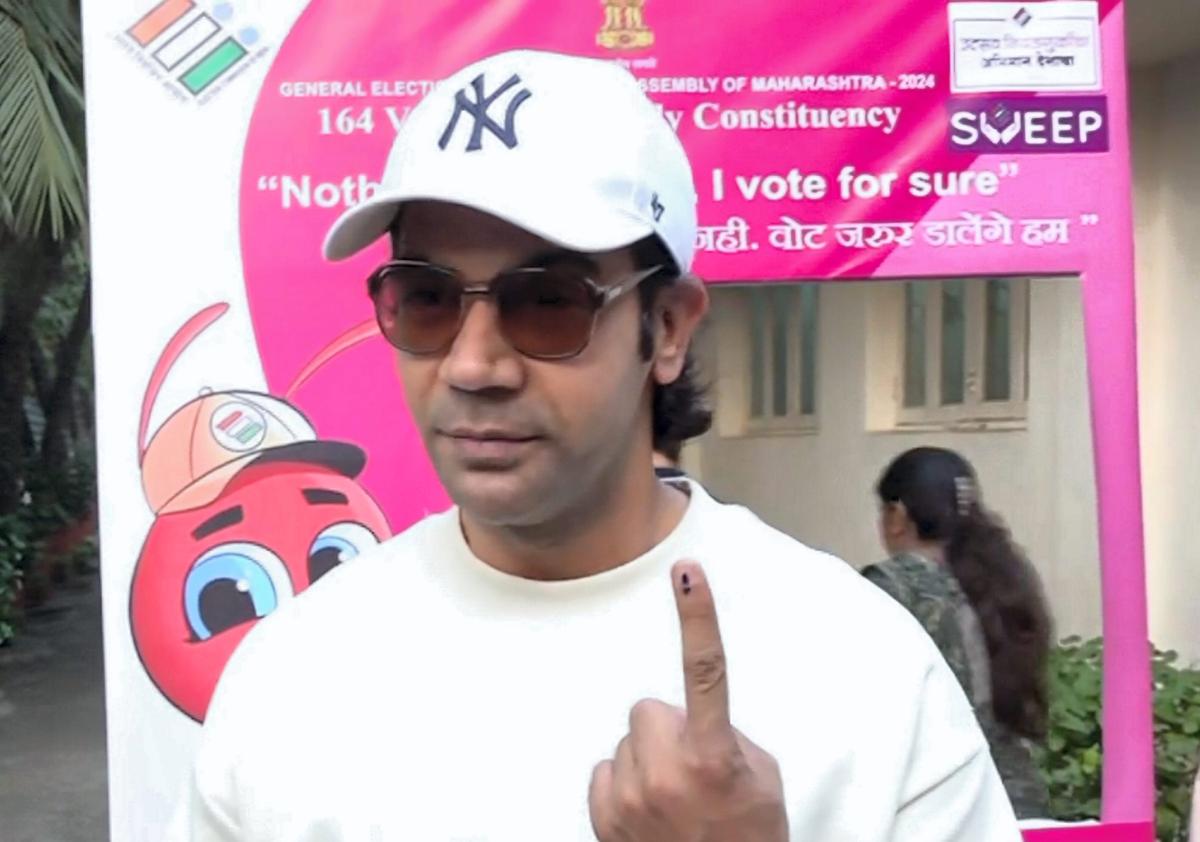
{"x": 926, "y": 588}
{"x": 914, "y": 574}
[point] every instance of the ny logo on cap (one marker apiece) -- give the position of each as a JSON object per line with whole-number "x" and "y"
{"x": 478, "y": 109}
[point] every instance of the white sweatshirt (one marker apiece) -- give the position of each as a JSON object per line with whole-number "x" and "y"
{"x": 418, "y": 694}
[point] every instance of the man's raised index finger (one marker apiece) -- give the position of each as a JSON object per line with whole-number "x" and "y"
{"x": 704, "y": 674}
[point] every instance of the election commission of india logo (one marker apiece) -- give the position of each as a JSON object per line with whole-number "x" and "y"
{"x": 624, "y": 26}
{"x": 195, "y": 49}
{"x": 238, "y": 426}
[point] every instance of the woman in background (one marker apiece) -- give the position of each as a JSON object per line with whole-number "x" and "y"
{"x": 954, "y": 566}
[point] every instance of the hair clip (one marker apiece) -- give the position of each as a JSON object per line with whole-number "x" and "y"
{"x": 964, "y": 494}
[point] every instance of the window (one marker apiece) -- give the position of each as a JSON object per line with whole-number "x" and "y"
{"x": 780, "y": 330}
{"x": 963, "y": 351}
{"x": 763, "y": 346}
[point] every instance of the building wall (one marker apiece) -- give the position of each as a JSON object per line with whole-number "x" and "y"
{"x": 1166, "y": 147}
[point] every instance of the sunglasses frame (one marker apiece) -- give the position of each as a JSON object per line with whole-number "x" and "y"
{"x": 601, "y": 297}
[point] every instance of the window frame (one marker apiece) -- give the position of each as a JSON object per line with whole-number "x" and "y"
{"x": 737, "y": 368}
{"x": 974, "y": 411}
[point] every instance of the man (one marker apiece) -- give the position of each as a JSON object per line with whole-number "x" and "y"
{"x": 544, "y": 661}
{"x": 667, "y": 455}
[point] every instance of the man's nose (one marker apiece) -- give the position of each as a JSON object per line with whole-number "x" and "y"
{"x": 480, "y": 358}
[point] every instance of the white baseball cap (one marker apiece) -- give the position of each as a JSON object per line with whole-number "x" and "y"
{"x": 567, "y": 148}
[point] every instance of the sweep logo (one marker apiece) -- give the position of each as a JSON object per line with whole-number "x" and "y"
{"x": 194, "y": 49}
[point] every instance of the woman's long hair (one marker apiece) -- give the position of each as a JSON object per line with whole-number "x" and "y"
{"x": 941, "y": 495}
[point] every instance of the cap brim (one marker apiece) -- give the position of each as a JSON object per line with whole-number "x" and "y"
{"x": 360, "y": 226}
{"x": 345, "y": 458}
{"x": 576, "y": 229}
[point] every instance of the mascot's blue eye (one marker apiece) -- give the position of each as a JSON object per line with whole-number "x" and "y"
{"x": 335, "y": 545}
{"x": 233, "y": 584}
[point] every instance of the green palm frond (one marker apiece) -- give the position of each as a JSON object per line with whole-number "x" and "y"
{"x": 42, "y": 185}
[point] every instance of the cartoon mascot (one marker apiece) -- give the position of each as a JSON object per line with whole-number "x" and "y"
{"x": 251, "y": 508}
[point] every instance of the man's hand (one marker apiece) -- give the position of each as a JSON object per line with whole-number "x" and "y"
{"x": 688, "y": 775}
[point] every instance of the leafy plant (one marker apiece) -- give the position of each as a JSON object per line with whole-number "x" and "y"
{"x": 44, "y": 513}
{"x": 1070, "y": 757}
{"x": 84, "y": 556}
{"x": 1176, "y": 740}
{"x": 1070, "y": 760}
{"x": 43, "y": 232}
{"x": 46, "y": 474}
{"x": 42, "y": 183}
{"x": 15, "y": 548}
{"x": 74, "y": 488}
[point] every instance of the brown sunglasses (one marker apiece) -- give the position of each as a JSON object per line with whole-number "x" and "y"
{"x": 547, "y": 313}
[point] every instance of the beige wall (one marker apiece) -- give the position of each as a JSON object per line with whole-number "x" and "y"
{"x": 818, "y": 486}
{"x": 1166, "y": 146}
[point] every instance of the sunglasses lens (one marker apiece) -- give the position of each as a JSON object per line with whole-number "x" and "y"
{"x": 546, "y": 313}
{"x": 418, "y": 307}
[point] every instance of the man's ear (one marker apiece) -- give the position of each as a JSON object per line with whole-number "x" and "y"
{"x": 678, "y": 311}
